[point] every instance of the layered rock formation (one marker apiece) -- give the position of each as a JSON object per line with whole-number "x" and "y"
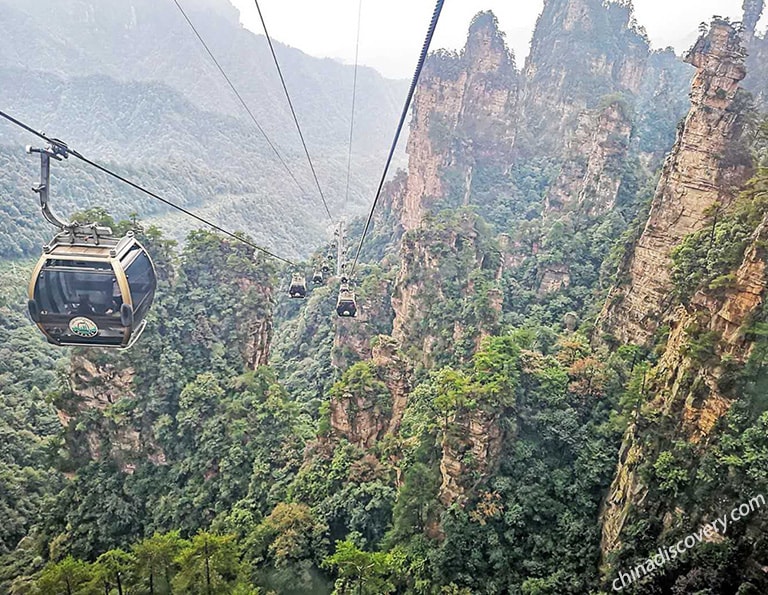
{"x": 465, "y": 107}
{"x": 477, "y": 124}
{"x": 365, "y": 418}
{"x": 682, "y": 388}
{"x": 426, "y": 299}
{"x": 591, "y": 175}
{"x": 582, "y": 50}
{"x": 256, "y": 328}
{"x": 471, "y": 445}
{"x": 757, "y": 48}
{"x": 705, "y": 170}
{"x": 98, "y": 384}
{"x": 690, "y": 386}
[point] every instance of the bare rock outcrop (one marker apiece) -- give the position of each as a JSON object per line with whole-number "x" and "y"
{"x": 591, "y": 175}
{"x": 464, "y": 107}
{"x": 688, "y": 390}
{"x": 575, "y": 60}
{"x": 471, "y": 446}
{"x": 704, "y": 170}
{"x": 423, "y": 291}
{"x": 756, "y": 81}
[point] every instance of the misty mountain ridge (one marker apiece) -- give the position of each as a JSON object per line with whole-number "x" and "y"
{"x": 128, "y": 83}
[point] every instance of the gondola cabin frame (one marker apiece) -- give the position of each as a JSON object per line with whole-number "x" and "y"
{"x": 118, "y": 272}
{"x": 298, "y": 287}
{"x": 346, "y": 304}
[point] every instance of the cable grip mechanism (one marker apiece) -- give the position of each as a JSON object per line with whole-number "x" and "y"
{"x": 73, "y": 231}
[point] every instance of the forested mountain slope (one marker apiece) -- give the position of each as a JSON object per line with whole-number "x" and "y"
{"x": 129, "y": 84}
{"x": 558, "y": 365}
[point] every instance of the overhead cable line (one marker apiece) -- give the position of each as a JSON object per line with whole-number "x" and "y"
{"x": 109, "y": 172}
{"x": 354, "y": 99}
{"x": 404, "y": 115}
{"x": 259, "y": 127}
{"x": 293, "y": 111}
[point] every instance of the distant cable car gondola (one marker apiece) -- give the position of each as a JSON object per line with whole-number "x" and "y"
{"x": 317, "y": 277}
{"x": 346, "y": 305}
{"x": 298, "y": 289}
{"x": 89, "y": 288}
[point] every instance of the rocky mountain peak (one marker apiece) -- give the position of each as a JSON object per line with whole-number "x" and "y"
{"x": 469, "y": 96}
{"x": 696, "y": 178}
{"x": 756, "y": 81}
{"x": 581, "y": 50}
{"x": 719, "y": 59}
{"x": 486, "y": 49}
{"x": 571, "y": 15}
{"x": 753, "y": 9}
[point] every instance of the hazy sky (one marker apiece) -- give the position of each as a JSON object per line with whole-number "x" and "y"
{"x": 393, "y": 31}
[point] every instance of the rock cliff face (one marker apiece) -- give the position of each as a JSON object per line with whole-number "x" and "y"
{"x": 683, "y": 388}
{"x": 465, "y": 107}
{"x": 705, "y": 170}
{"x": 365, "y": 418}
{"x": 757, "y": 48}
{"x": 591, "y": 95}
{"x": 687, "y": 388}
{"x": 477, "y": 122}
{"x": 471, "y": 445}
{"x": 744, "y": 298}
{"x": 257, "y": 328}
{"x": 569, "y": 104}
{"x": 592, "y": 171}
{"x": 97, "y": 385}
{"x": 581, "y": 51}
{"x": 435, "y": 283}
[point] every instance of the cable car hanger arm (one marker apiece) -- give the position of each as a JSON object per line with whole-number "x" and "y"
{"x": 58, "y": 150}
{"x": 43, "y": 189}
{"x": 54, "y": 142}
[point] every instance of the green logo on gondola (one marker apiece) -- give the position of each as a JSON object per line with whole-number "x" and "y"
{"x": 83, "y": 327}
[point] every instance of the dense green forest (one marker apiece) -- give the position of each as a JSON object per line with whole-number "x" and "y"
{"x": 232, "y": 444}
{"x": 208, "y": 477}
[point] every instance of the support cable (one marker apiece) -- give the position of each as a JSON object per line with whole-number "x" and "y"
{"x": 259, "y": 127}
{"x": 411, "y": 91}
{"x": 293, "y": 111}
{"x": 57, "y": 143}
{"x": 354, "y": 100}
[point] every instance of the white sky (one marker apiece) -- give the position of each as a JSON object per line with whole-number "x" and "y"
{"x": 392, "y": 31}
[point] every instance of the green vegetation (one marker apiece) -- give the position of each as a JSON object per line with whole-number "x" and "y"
{"x": 709, "y": 258}
{"x": 30, "y": 375}
{"x": 206, "y": 458}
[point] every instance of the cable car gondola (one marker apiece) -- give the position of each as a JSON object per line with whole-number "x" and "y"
{"x": 92, "y": 295}
{"x": 89, "y": 288}
{"x": 346, "y": 305}
{"x": 317, "y": 277}
{"x": 298, "y": 289}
